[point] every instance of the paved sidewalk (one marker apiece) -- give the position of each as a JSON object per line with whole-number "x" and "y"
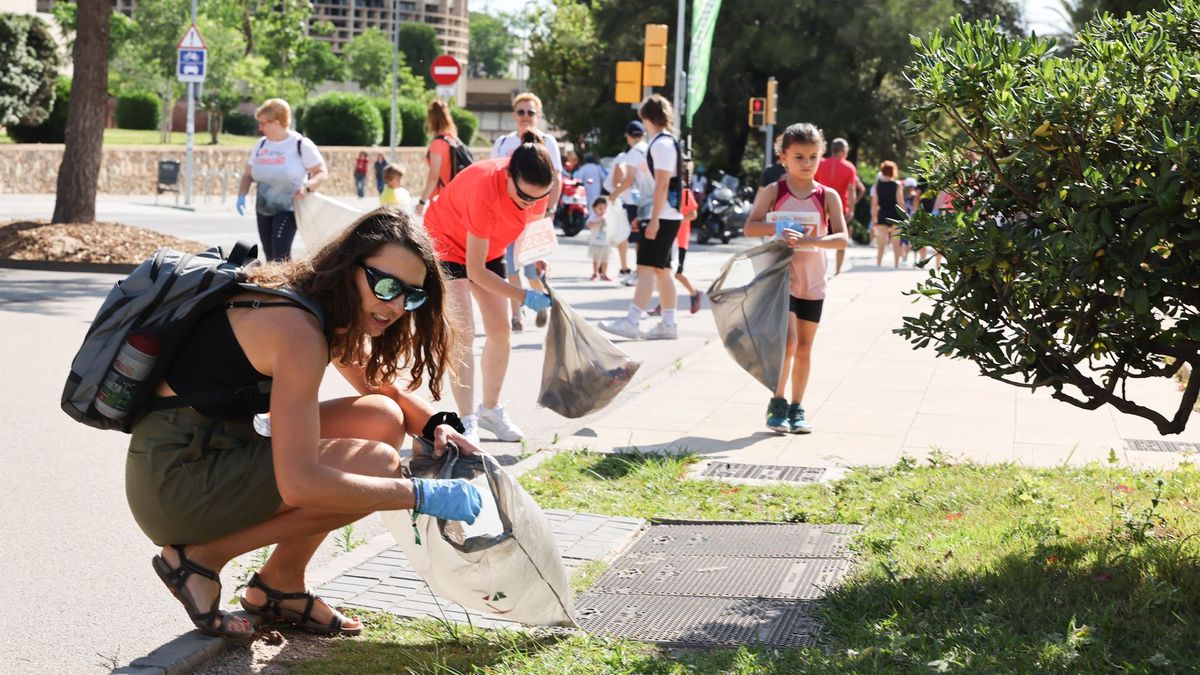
{"x": 871, "y": 399}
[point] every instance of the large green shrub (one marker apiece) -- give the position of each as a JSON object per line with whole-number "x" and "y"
{"x": 29, "y": 60}
{"x": 466, "y": 122}
{"x": 138, "y": 110}
{"x": 54, "y": 129}
{"x": 240, "y": 124}
{"x": 413, "y": 132}
{"x": 1073, "y": 258}
{"x": 343, "y": 119}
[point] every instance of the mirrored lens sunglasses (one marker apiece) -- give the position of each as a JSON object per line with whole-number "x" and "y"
{"x": 387, "y": 288}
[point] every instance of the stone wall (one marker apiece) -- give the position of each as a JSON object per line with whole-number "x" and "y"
{"x": 133, "y": 169}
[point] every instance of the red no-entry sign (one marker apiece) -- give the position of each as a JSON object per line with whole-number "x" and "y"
{"x": 445, "y": 70}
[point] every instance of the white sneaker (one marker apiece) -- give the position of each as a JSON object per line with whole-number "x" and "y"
{"x": 623, "y": 327}
{"x": 471, "y": 428}
{"x": 662, "y": 332}
{"x": 496, "y": 420}
{"x": 631, "y": 280}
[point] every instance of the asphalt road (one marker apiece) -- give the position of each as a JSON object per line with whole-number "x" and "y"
{"x": 76, "y": 585}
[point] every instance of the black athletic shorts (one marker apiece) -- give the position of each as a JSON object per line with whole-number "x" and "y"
{"x": 806, "y": 310}
{"x": 454, "y": 270}
{"x": 656, "y": 252}
{"x": 631, "y": 213}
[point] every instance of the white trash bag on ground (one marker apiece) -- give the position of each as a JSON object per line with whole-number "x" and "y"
{"x": 320, "y": 220}
{"x": 506, "y": 564}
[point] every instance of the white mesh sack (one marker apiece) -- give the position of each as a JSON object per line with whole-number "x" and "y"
{"x": 320, "y": 220}
{"x": 506, "y": 564}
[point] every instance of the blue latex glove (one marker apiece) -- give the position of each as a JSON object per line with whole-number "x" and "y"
{"x": 781, "y": 225}
{"x": 241, "y": 205}
{"x": 536, "y": 300}
{"x": 454, "y": 499}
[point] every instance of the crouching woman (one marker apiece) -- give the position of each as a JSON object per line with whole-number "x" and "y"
{"x": 206, "y": 487}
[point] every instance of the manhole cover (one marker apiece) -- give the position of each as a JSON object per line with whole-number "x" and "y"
{"x": 719, "y": 584}
{"x": 688, "y": 621}
{"x": 794, "y": 474}
{"x": 1151, "y": 445}
{"x": 751, "y": 540}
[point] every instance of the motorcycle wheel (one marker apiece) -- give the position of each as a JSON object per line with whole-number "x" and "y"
{"x": 703, "y": 234}
{"x": 573, "y": 224}
{"x": 725, "y": 237}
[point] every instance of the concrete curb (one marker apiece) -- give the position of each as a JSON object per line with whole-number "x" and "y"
{"x": 190, "y": 651}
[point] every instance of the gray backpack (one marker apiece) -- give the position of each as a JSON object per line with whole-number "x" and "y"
{"x": 162, "y": 297}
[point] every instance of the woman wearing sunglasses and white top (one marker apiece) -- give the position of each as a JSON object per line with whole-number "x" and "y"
{"x": 477, "y": 215}
{"x": 203, "y": 485}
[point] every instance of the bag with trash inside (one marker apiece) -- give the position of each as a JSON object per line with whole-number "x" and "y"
{"x": 582, "y": 371}
{"x": 505, "y": 564}
{"x": 321, "y": 219}
{"x": 752, "y": 318}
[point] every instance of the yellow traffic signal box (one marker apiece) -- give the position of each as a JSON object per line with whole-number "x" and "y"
{"x": 629, "y": 82}
{"x": 654, "y": 56}
{"x": 758, "y": 112}
{"x": 772, "y": 100}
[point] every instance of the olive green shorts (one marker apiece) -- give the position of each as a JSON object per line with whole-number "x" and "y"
{"x": 182, "y": 490}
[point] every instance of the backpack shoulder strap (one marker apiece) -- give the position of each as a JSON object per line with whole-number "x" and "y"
{"x": 242, "y": 253}
{"x": 304, "y": 303}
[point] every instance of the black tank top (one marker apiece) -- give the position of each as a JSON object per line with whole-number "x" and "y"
{"x": 211, "y": 359}
{"x": 885, "y": 192}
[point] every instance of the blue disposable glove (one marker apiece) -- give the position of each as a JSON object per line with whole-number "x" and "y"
{"x": 454, "y": 499}
{"x": 241, "y": 205}
{"x": 536, "y": 300}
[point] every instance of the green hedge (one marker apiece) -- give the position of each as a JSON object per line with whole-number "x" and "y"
{"x": 343, "y": 119}
{"x": 239, "y": 124}
{"x": 466, "y": 122}
{"x": 410, "y": 120}
{"x": 54, "y": 129}
{"x": 138, "y": 110}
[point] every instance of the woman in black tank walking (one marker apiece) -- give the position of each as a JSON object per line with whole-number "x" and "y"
{"x": 887, "y": 209}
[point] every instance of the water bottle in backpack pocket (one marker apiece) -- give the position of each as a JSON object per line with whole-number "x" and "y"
{"x": 127, "y": 375}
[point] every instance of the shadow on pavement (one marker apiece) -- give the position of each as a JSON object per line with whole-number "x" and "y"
{"x": 42, "y": 296}
{"x": 697, "y": 444}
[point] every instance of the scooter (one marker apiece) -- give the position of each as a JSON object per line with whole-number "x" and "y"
{"x": 571, "y": 214}
{"x": 724, "y": 212}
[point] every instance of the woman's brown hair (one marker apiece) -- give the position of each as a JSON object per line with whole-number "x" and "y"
{"x": 888, "y": 169}
{"x": 418, "y": 341}
{"x": 657, "y": 110}
{"x": 438, "y": 119}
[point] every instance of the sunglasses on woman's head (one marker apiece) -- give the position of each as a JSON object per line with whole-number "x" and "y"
{"x": 522, "y": 112}
{"x": 387, "y": 288}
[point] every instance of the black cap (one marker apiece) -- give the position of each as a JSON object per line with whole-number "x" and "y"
{"x": 635, "y": 128}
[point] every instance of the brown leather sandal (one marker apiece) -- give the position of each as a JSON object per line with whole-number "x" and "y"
{"x": 176, "y": 581}
{"x": 274, "y": 611}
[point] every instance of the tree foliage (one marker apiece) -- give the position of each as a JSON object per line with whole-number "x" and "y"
{"x": 565, "y": 59}
{"x": 29, "y": 60}
{"x": 369, "y": 60}
{"x": 343, "y": 119}
{"x": 492, "y": 45}
{"x": 54, "y": 128}
{"x": 1071, "y": 262}
{"x": 419, "y": 45}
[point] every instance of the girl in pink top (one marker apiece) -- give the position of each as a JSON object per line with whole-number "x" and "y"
{"x": 815, "y": 222}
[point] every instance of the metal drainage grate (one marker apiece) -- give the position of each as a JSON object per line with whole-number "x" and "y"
{"x": 751, "y": 540}
{"x": 694, "y": 622}
{"x": 1150, "y": 445}
{"x": 719, "y": 584}
{"x": 794, "y": 474}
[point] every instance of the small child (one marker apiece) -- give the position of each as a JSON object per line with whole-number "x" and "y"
{"x": 598, "y": 247}
{"x": 393, "y": 194}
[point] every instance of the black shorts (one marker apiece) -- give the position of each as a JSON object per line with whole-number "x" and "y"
{"x": 631, "y": 213}
{"x": 656, "y": 252}
{"x": 682, "y": 255}
{"x": 454, "y": 270}
{"x": 806, "y": 310}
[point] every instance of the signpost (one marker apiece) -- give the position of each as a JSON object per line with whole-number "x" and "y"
{"x": 445, "y": 71}
{"x": 191, "y": 65}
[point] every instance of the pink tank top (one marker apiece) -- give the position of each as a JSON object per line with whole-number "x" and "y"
{"x": 808, "y": 267}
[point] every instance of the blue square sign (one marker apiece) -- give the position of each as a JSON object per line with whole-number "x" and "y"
{"x": 191, "y": 65}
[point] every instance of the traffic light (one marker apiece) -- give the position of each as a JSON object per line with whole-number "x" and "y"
{"x": 629, "y": 82}
{"x": 758, "y": 112}
{"x": 654, "y": 56}
{"x": 772, "y": 101}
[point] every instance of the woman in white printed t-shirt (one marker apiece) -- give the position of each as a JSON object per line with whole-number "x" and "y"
{"x": 286, "y": 166}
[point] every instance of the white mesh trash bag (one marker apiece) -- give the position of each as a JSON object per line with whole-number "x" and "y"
{"x": 506, "y": 564}
{"x": 320, "y": 220}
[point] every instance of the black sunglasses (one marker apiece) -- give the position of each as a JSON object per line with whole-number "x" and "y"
{"x": 387, "y": 288}
{"x": 526, "y": 197}
{"x": 521, "y": 112}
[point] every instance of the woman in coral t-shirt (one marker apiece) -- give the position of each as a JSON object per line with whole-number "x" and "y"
{"x": 437, "y": 155}
{"x": 475, "y": 217}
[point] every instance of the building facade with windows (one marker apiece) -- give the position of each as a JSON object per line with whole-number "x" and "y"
{"x": 351, "y": 17}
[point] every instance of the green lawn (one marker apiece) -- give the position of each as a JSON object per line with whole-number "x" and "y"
{"x": 962, "y": 568}
{"x": 151, "y": 137}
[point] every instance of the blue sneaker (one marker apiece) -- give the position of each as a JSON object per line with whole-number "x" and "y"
{"x": 797, "y": 421}
{"x": 777, "y": 419}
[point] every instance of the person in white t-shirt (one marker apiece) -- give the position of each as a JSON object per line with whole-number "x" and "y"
{"x": 286, "y": 166}
{"x": 626, "y": 191}
{"x": 660, "y": 222}
{"x": 527, "y": 107}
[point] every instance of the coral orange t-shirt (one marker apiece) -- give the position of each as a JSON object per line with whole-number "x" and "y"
{"x": 476, "y": 202}
{"x": 838, "y": 174}
{"x": 441, "y": 147}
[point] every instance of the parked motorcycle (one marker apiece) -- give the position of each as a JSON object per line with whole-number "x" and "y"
{"x": 571, "y": 214}
{"x": 724, "y": 212}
